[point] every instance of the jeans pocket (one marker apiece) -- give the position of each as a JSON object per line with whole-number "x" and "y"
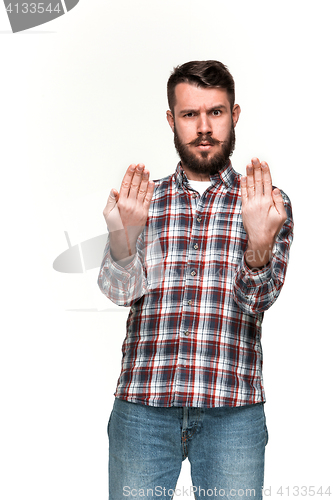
{"x": 109, "y": 422}
{"x": 266, "y": 433}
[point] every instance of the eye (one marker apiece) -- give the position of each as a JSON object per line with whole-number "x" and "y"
{"x": 189, "y": 115}
{"x": 216, "y": 112}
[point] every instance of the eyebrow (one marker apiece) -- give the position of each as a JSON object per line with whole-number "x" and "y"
{"x": 191, "y": 110}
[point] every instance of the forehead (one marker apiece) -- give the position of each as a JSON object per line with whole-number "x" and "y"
{"x": 190, "y": 96}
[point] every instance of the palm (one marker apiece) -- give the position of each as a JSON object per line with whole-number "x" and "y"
{"x": 128, "y": 209}
{"x": 263, "y": 210}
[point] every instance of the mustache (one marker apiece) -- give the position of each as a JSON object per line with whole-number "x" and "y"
{"x": 205, "y": 138}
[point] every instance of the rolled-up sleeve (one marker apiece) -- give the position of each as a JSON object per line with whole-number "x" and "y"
{"x": 255, "y": 290}
{"x": 122, "y": 285}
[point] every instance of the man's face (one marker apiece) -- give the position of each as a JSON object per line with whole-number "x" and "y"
{"x": 203, "y": 126}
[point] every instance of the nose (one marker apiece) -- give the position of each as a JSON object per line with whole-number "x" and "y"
{"x": 204, "y": 125}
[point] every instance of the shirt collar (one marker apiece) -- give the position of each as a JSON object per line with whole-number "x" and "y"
{"x": 225, "y": 176}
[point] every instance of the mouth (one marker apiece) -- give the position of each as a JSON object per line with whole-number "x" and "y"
{"x": 204, "y": 146}
{"x": 204, "y": 143}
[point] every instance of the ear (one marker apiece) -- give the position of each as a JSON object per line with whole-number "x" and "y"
{"x": 171, "y": 120}
{"x": 235, "y": 113}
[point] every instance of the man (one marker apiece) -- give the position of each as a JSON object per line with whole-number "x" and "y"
{"x": 198, "y": 256}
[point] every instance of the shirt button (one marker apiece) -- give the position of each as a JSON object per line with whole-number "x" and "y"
{"x": 194, "y": 195}
{"x": 196, "y": 247}
{"x": 187, "y": 333}
{"x": 189, "y": 302}
{"x": 199, "y": 219}
{"x": 193, "y": 273}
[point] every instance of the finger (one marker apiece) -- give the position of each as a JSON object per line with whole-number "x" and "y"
{"x": 278, "y": 202}
{"x": 114, "y": 194}
{"x": 267, "y": 179}
{"x": 127, "y": 180}
{"x": 114, "y": 221}
{"x": 258, "y": 184}
{"x": 149, "y": 193}
{"x": 243, "y": 185}
{"x": 143, "y": 186}
{"x": 250, "y": 180}
{"x": 112, "y": 200}
{"x": 136, "y": 181}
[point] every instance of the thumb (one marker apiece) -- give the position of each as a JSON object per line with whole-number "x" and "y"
{"x": 278, "y": 201}
{"x": 111, "y": 203}
{"x": 114, "y": 195}
{"x": 277, "y": 195}
{"x": 112, "y": 199}
{"x": 111, "y": 212}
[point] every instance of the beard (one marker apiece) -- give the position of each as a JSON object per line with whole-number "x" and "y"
{"x": 202, "y": 164}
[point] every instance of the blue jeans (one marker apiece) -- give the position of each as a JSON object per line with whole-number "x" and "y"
{"x": 225, "y": 447}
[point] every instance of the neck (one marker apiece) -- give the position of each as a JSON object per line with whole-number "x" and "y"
{"x": 194, "y": 176}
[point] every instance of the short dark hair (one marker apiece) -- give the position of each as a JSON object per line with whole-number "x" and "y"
{"x": 201, "y": 74}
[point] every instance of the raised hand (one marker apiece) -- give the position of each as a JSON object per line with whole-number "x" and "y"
{"x": 126, "y": 212}
{"x": 263, "y": 212}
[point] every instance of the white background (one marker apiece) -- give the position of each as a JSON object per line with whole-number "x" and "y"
{"x": 84, "y": 96}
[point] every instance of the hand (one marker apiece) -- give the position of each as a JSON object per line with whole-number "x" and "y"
{"x": 263, "y": 212}
{"x": 126, "y": 212}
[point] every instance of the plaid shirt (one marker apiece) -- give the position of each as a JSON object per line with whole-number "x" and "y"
{"x": 196, "y": 309}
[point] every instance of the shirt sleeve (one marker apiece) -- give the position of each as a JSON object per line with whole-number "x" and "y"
{"x": 122, "y": 285}
{"x": 256, "y": 290}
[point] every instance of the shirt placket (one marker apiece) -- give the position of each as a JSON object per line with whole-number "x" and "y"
{"x": 184, "y": 376}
